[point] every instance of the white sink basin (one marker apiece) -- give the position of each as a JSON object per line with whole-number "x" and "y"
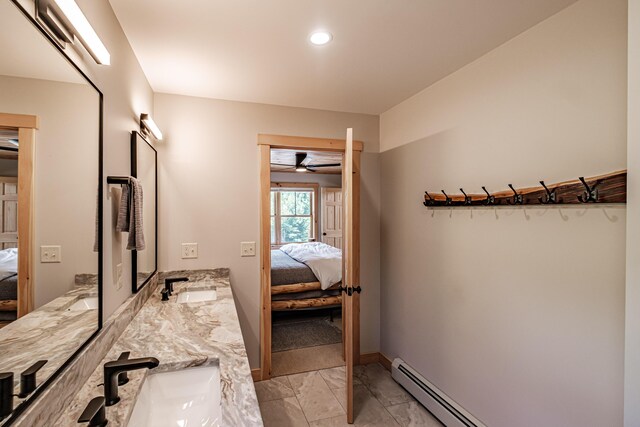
{"x": 87, "y": 303}
{"x": 197, "y": 296}
{"x": 186, "y": 398}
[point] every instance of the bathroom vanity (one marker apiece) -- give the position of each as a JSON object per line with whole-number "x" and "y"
{"x": 184, "y": 337}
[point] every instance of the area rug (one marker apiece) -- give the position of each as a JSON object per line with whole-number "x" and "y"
{"x": 289, "y": 335}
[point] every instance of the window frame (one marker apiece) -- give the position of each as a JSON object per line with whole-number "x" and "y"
{"x": 295, "y": 186}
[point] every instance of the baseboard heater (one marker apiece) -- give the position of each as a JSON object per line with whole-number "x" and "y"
{"x": 439, "y": 404}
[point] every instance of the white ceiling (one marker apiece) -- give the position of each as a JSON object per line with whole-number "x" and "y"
{"x": 383, "y": 51}
{"x": 27, "y": 53}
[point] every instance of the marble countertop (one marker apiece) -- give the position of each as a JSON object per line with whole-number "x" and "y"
{"x": 51, "y": 332}
{"x": 182, "y": 336}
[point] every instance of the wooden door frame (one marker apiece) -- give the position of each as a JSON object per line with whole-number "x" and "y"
{"x": 265, "y": 143}
{"x": 26, "y": 126}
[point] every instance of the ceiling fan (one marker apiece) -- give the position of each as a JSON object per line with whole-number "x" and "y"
{"x": 300, "y": 165}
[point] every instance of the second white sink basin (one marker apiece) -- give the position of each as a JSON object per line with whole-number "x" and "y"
{"x": 197, "y": 296}
{"x": 87, "y": 303}
{"x": 186, "y": 398}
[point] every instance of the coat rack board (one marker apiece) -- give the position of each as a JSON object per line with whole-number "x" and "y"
{"x": 610, "y": 188}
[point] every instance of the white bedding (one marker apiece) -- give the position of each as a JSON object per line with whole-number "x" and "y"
{"x": 8, "y": 262}
{"x": 325, "y": 261}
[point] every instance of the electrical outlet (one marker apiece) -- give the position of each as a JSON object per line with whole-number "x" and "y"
{"x": 247, "y": 248}
{"x": 119, "y": 276}
{"x": 50, "y": 253}
{"x": 189, "y": 250}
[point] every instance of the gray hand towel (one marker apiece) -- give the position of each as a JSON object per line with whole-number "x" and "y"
{"x": 130, "y": 214}
{"x": 122, "y": 222}
{"x": 136, "y": 233}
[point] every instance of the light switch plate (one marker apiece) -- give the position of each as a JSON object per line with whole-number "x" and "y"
{"x": 189, "y": 250}
{"x": 247, "y": 248}
{"x": 51, "y": 253}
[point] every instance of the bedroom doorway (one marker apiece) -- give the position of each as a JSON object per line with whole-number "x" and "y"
{"x": 320, "y": 312}
{"x": 17, "y": 144}
{"x": 306, "y": 304}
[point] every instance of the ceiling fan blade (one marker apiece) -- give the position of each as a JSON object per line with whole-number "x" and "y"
{"x": 282, "y": 164}
{"x": 328, "y": 165}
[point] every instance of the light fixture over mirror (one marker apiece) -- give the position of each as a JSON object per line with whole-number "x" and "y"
{"x": 64, "y": 20}
{"x": 149, "y": 127}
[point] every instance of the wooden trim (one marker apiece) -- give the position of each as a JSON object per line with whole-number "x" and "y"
{"x": 265, "y": 143}
{"x": 385, "y": 362}
{"x": 348, "y": 275}
{"x": 16, "y": 121}
{"x": 356, "y": 255}
{"x": 297, "y": 304}
{"x": 8, "y": 305}
{"x": 305, "y": 142}
{"x": 256, "y": 375}
{"x": 369, "y": 358}
{"x": 265, "y": 261}
{"x": 26, "y": 138}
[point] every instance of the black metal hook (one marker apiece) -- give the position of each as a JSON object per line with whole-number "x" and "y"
{"x": 590, "y": 193}
{"x": 552, "y": 197}
{"x": 490, "y": 200}
{"x": 467, "y": 199}
{"x": 447, "y": 200}
{"x": 431, "y": 200}
{"x": 517, "y": 198}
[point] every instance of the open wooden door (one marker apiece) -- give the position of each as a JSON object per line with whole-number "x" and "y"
{"x": 349, "y": 271}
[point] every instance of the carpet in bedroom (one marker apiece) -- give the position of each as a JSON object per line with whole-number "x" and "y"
{"x": 297, "y": 333}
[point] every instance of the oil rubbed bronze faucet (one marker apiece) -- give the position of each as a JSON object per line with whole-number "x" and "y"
{"x": 114, "y": 368}
{"x": 168, "y": 283}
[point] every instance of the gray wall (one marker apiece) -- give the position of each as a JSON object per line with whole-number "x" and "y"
{"x": 516, "y": 314}
{"x": 127, "y": 93}
{"x": 63, "y": 154}
{"x": 209, "y": 192}
{"x": 632, "y": 309}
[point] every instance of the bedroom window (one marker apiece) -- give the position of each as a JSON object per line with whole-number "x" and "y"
{"x": 293, "y": 213}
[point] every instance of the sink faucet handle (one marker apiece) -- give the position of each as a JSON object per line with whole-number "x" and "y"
{"x": 6, "y": 394}
{"x": 28, "y": 378}
{"x": 123, "y": 378}
{"x": 113, "y": 369}
{"x": 94, "y": 413}
{"x": 168, "y": 283}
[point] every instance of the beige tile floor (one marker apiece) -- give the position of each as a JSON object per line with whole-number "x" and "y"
{"x": 317, "y": 398}
{"x": 306, "y": 359}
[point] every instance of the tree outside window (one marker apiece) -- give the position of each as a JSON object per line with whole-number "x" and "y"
{"x": 292, "y": 214}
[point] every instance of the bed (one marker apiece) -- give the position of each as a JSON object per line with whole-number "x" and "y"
{"x": 8, "y": 285}
{"x": 294, "y": 286}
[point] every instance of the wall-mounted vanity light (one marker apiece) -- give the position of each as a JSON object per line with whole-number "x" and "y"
{"x": 148, "y": 126}
{"x": 64, "y": 19}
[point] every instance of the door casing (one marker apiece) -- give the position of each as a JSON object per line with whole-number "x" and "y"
{"x": 265, "y": 143}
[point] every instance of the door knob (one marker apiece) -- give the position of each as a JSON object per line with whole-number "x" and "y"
{"x": 324, "y": 234}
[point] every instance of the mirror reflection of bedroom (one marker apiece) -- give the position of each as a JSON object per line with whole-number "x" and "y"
{"x": 8, "y": 226}
{"x": 306, "y": 260}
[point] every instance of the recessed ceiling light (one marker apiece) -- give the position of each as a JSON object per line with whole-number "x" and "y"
{"x": 320, "y": 38}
